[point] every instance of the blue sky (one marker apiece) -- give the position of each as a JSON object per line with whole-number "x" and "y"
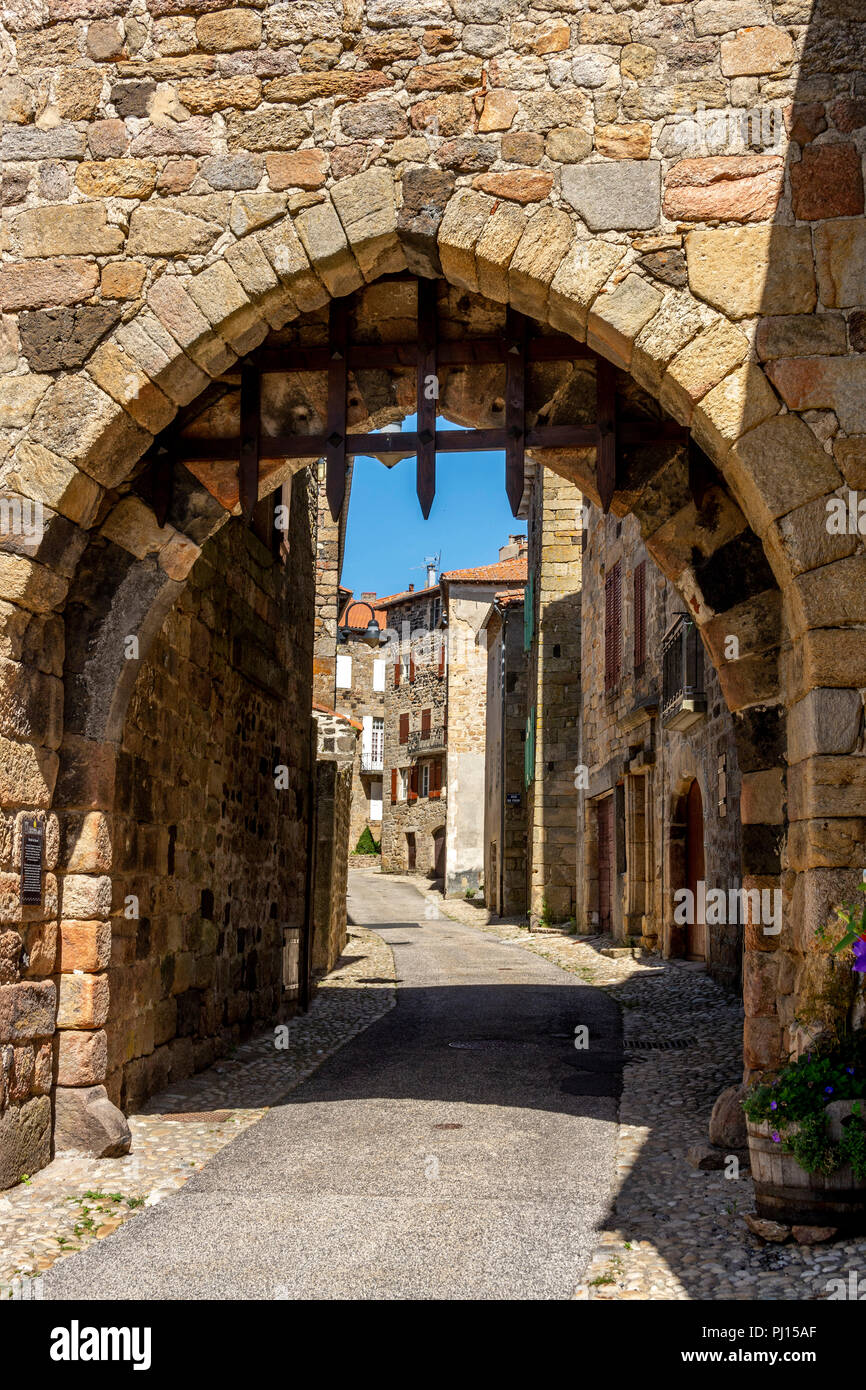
{"x": 387, "y": 539}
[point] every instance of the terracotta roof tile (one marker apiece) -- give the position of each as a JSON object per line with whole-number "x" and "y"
{"x": 515, "y": 570}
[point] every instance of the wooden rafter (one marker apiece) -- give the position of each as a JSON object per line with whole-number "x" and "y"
{"x": 427, "y": 394}
{"x": 605, "y": 467}
{"x": 251, "y": 415}
{"x": 338, "y": 383}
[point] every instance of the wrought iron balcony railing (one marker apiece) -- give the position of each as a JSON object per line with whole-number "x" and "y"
{"x": 684, "y": 701}
{"x": 432, "y": 742}
{"x": 372, "y": 762}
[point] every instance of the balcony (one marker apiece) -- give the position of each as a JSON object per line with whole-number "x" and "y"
{"x": 372, "y": 762}
{"x": 421, "y": 744}
{"x": 684, "y": 702}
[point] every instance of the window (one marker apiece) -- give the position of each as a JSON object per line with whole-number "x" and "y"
{"x": 435, "y": 611}
{"x": 344, "y": 673}
{"x": 377, "y": 742}
{"x": 404, "y": 784}
{"x": 436, "y": 779}
{"x": 612, "y": 627}
{"x": 684, "y": 700}
{"x": 639, "y": 617}
{"x": 375, "y": 801}
{"x": 425, "y": 779}
{"x": 404, "y": 728}
{"x": 379, "y": 674}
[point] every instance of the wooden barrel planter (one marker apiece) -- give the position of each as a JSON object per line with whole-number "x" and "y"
{"x": 786, "y": 1192}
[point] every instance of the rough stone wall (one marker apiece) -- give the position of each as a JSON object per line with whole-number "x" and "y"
{"x": 145, "y": 242}
{"x": 624, "y": 742}
{"x": 213, "y": 851}
{"x": 337, "y": 741}
{"x": 362, "y": 702}
{"x": 467, "y": 605}
{"x": 505, "y": 821}
{"x": 554, "y": 686}
{"x": 426, "y": 690}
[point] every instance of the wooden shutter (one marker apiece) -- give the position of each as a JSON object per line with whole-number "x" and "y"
{"x": 425, "y": 723}
{"x": 436, "y": 779}
{"x": 612, "y": 627}
{"x": 413, "y": 784}
{"x": 396, "y": 670}
{"x": 404, "y": 728}
{"x": 393, "y": 785}
{"x": 640, "y": 615}
{"x": 442, "y": 653}
{"x": 411, "y": 666}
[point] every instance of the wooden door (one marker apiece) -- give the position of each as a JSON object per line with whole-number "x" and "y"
{"x": 410, "y": 850}
{"x": 439, "y": 852}
{"x": 606, "y": 863}
{"x": 696, "y": 930}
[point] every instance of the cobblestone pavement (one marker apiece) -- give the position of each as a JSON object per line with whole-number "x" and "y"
{"x": 675, "y": 1232}
{"x": 75, "y": 1201}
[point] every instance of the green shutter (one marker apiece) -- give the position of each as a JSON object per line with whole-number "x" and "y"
{"x": 528, "y": 613}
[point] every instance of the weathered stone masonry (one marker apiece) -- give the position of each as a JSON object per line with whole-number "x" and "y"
{"x": 177, "y": 182}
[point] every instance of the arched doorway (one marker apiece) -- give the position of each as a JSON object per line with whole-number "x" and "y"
{"x": 696, "y": 926}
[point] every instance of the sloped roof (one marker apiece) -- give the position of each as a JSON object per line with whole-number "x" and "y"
{"x": 407, "y": 594}
{"x": 504, "y": 571}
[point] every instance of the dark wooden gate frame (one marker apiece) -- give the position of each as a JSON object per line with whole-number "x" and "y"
{"x": 517, "y": 348}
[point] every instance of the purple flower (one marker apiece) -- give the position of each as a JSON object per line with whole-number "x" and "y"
{"x": 774, "y": 1105}
{"x": 860, "y": 955}
{"x": 775, "y": 1136}
{"x": 828, "y": 1090}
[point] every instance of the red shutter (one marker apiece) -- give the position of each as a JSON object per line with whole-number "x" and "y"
{"x": 436, "y": 779}
{"x": 425, "y": 723}
{"x": 640, "y": 615}
{"x": 413, "y": 784}
{"x": 396, "y": 670}
{"x": 404, "y": 728}
{"x": 411, "y": 666}
{"x": 442, "y": 653}
{"x": 612, "y": 628}
{"x": 393, "y": 785}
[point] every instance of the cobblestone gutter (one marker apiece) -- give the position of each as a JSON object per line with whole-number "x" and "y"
{"x": 76, "y": 1200}
{"x": 675, "y": 1232}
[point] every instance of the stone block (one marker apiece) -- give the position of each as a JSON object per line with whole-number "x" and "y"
{"x": 206, "y": 95}
{"x": 221, "y": 298}
{"x": 26, "y": 285}
{"x": 625, "y": 195}
{"x": 628, "y": 140}
{"x": 826, "y": 786}
{"x": 30, "y": 585}
{"x": 700, "y": 366}
{"x": 84, "y": 946}
{"x": 778, "y": 466}
{"x": 726, "y": 188}
{"x": 82, "y": 1000}
{"x": 300, "y": 169}
{"x": 159, "y": 231}
{"x": 738, "y": 404}
{"x": 27, "y": 1010}
{"x": 753, "y": 270}
{"x": 498, "y": 112}
{"x": 582, "y": 274}
{"x": 182, "y": 318}
{"x": 79, "y": 229}
{"x": 26, "y": 773}
{"x": 819, "y": 383}
{"x": 757, "y": 51}
{"x": 366, "y": 207}
{"x": 801, "y": 335}
{"x": 80, "y": 423}
{"x": 80, "y": 1058}
{"x": 283, "y": 248}
{"x": 116, "y": 178}
{"x": 325, "y": 242}
{"x": 118, "y": 375}
{"x": 266, "y": 130}
{"x": 840, "y": 257}
{"x": 87, "y": 1122}
{"x": 86, "y": 897}
{"x": 520, "y": 185}
{"x": 496, "y": 246}
{"x": 53, "y": 339}
{"x": 25, "y": 1139}
{"x": 827, "y": 182}
{"x": 617, "y": 317}
{"x": 536, "y": 259}
{"x": 228, "y": 30}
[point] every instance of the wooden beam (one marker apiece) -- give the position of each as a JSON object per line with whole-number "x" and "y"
{"x": 605, "y": 404}
{"x": 338, "y": 379}
{"x": 427, "y": 394}
{"x": 248, "y": 467}
{"x": 515, "y": 406}
{"x": 162, "y": 478}
{"x": 460, "y": 352}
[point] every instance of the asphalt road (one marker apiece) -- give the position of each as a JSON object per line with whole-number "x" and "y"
{"x": 461, "y": 1147}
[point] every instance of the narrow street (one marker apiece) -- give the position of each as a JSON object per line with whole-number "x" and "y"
{"x": 461, "y": 1147}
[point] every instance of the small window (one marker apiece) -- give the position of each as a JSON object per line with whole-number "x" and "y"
{"x": 376, "y": 801}
{"x": 404, "y": 783}
{"x": 435, "y": 611}
{"x": 640, "y": 617}
{"x": 344, "y": 673}
{"x": 425, "y": 779}
{"x": 377, "y": 742}
{"x": 379, "y": 674}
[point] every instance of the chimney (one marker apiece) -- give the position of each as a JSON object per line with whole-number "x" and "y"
{"x": 367, "y": 597}
{"x": 411, "y": 588}
{"x": 431, "y": 573}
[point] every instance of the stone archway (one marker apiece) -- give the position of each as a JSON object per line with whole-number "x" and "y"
{"x": 201, "y": 286}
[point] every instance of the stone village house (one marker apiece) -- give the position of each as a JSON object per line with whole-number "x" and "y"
{"x": 180, "y": 190}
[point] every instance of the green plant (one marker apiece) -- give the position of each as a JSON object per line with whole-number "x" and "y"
{"x": 366, "y": 844}
{"x": 794, "y": 1104}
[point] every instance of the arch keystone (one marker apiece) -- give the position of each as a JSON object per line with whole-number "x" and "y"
{"x": 367, "y": 208}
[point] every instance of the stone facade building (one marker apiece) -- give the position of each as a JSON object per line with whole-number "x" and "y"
{"x": 505, "y": 839}
{"x": 553, "y": 628}
{"x": 416, "y": 723}
{"x": 337, "y": 739}
{"x": 179, "y": 188}
{"x": 659, "y": 781}
{"x": 361, "y": 680}
{"x": 467, "y": 595}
